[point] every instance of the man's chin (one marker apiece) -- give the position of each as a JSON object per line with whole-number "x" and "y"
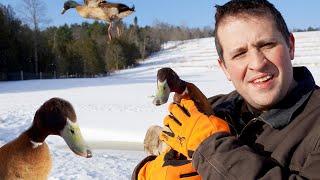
{"x": 262, "y": 101}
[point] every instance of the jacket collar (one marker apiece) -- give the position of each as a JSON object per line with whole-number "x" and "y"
{"x": 282, "y": 114}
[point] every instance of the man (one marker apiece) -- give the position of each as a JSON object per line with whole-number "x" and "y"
{"x": 274, "y": 114}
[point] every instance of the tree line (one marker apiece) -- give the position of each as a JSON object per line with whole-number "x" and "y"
{"x": 79, "y": 50}
{"x": 307, "y": 29}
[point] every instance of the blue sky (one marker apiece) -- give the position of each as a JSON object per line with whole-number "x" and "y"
{"x": 192, "y": 13}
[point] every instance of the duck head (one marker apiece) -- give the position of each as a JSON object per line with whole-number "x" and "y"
{"x": 57, "y": 117}
{"x": 167, "y": 81}
{"x": 69, "y": 4}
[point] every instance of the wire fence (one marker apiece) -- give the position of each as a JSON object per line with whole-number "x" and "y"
{"x": 17, "y": 76}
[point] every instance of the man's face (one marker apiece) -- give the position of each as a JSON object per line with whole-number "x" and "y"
{"x": 257, "y": 59}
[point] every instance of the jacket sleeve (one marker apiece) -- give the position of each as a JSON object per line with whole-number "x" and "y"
{"x": 166, "y": 166}
{"x": 222, "y": 156}
{"x": 139, "y": 171}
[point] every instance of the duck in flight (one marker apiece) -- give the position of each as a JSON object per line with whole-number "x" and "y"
{"x": 100, "y": 10}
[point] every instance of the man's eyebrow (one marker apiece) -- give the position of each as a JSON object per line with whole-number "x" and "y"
{"x": 236, "y": 50}
{"x": 264, "y": 41}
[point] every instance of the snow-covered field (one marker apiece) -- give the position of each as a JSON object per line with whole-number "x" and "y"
{"x": 114, "y": 112}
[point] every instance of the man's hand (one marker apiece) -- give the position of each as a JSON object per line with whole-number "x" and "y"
{"x": 189, "y": 127}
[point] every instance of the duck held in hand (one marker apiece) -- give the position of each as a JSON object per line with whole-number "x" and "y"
{"x": 168, "y": 81}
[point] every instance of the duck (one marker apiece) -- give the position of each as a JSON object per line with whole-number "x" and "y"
{"x": 152, "y": 144}
{"x": 168, "y": 81}
{"x": 100, "y": 10}
{"x": 28, "y": 156}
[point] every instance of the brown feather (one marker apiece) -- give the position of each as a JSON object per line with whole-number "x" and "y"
{"x": 199, "y": 99}
{"x": 93, "y": 3}
{"x": 20, "y": 161}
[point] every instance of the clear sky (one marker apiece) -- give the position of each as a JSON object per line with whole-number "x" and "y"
{"x": 192, "y": 13}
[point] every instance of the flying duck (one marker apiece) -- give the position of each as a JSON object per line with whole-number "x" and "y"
{"x": 28, "y": 156}
{"x": 100, "y": 10}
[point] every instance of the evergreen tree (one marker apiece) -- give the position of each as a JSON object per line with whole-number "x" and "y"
{"x": 80, "y": 50}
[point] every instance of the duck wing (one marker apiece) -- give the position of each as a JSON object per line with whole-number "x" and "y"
{"x": 123, "y": 8}
{"x": 93, "y": 3}
{"x": 119, "y": 6}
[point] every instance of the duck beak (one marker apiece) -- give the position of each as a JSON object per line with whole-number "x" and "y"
{"x": 162, "y": 94}
{"x": 63, "y": 11}
{"x": 72, "y": 136}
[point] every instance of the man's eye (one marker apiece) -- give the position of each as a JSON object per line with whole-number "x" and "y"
{"x": 269, "y": 45}
{"x": 238, "y": 55}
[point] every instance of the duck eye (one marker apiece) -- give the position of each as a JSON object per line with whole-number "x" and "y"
{"x": 72, "y": 131}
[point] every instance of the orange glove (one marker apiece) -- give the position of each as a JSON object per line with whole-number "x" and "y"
{"x": 189, "y": 127}
{"x": 166, "y": 166}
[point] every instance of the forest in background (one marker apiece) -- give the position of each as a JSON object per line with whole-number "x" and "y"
{"x": 79, "y": 50}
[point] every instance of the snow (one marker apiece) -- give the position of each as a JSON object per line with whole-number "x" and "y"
{"x": 114, "y": 112}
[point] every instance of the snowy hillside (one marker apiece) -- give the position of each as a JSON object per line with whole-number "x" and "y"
{"x": 114, "y": 112}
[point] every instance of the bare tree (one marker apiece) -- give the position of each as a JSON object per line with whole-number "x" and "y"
{"x": 33, "y": 13}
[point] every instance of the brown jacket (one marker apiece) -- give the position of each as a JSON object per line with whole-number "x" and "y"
{"x": 282, "y": 143}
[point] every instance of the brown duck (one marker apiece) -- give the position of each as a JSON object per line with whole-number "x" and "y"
{"x": 100, "y": 10}
{"x": 28, "y": 156}
{"x": 168, "y": 81}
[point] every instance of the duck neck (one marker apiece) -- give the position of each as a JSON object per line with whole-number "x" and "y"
{"x": 80, "y": 8}
{"x": 36, "y": 135}
{"x": 180, "y": 86}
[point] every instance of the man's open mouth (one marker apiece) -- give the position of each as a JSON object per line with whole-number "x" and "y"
{"x": 263, "y": 79}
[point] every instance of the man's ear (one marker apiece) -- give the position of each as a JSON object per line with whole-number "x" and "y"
{"x": 222, "y": 65}
{"x": 291, "y": 46}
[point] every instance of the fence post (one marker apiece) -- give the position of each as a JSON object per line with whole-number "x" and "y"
{"x": 54, "y": 74}
{"x": 21, "y": 75}
{"x": 40, "y": 75}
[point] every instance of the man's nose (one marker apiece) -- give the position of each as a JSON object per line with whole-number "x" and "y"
{"x": 257, "y": 60}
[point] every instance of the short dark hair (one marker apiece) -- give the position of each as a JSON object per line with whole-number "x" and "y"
{"x": 251, "y": 8}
